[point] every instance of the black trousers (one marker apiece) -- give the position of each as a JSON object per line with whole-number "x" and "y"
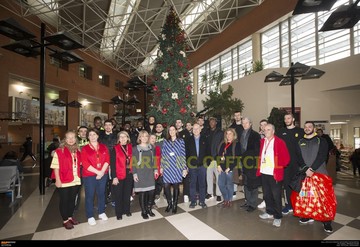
{"x": 67, "y": 201}
{"x": 272, "y": 195}
{"x": 121, "y": 194}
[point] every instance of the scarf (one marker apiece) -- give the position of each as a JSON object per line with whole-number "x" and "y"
{"x": 244, "y": 139}
{"x": 142, "y": 149}
{"x": 72, "y": 148}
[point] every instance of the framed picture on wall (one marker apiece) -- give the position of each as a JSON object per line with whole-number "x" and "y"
{"x": 320, "y": 124}
{"x": 29, "y": 111}
{"x": 87, "y": 117}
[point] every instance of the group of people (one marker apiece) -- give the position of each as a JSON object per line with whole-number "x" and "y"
{"x": 196, "y": 157}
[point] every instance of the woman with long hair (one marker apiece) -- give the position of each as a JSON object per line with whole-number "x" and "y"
{"x": 66, "y": 165}
{"x": 121, "y": 172}
{"x": 173, "y": 167}
{"x": 229, "y": 152}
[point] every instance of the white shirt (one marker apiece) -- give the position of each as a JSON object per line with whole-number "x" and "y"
{"x": 267, "y": 163}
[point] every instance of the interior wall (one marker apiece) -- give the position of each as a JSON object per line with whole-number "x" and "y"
{"x": 314, "y": 97}
{"x": 343, "y": 101}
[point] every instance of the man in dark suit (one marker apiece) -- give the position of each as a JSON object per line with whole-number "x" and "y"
{"x": 196, "y": 152}
{"x": 250, "y": 147}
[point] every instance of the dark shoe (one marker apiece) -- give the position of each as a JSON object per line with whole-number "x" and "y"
{"x": 305, "y": 220}
{"x": 192, "y": 205}
{"x": 74, "y": 221}
{"x": 244, "y": 205}
{"x": 119, "y": 217}
{"x": 225, "y": 204}
{"x": 327, "y": 227}
{"x": 286, "y": 210}
{"x": 145, "y": 216}
{"x": 68, "y": 225}
{"x": 250, "y": 209}
{"x": 48, "y": 182}
{"x": 208, "y": 196}
{"x": 203, "y": 205}
{"x": 221, "y": 204}
{"x": 128, "y": 214}
{"x": 168, "y": 208}
{"x": 218, "y": 198}
{"x": 150, "y": 212}
{"x": 174, "y": 210}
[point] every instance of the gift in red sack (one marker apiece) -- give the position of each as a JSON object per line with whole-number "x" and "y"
{"x": 316, "y": 199}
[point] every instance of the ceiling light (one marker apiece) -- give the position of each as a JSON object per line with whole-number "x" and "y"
{"x": 66, "y": 57}
{"x": 346, "y": 16}
{"x": 64, "y": 41}
{"x": 311, "y": 6}
{"x": 13, "y": 30}
{"x": 27, "y": 48}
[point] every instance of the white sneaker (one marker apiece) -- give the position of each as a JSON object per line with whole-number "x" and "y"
{"x": 131, "y": 198}
{"x": 262, "y": 204}
{"x": 266, "y": 216}
{"x": 92, "y": 221}
{"x": 103, "y": 216}
{"x": 277, "y": 222}
{"x": 186, "y": 198}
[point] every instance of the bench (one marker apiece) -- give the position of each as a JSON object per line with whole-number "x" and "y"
{"x": 9, "y": 181}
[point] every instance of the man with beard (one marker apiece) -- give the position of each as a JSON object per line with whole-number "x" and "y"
{"x": 291, "y": 134}
{"x": 314, "y": 150}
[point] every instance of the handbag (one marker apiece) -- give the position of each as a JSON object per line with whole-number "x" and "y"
{"x": 316, "y": 199}
{"x": 296, "y": 181}
{"x": 237, "y": 179}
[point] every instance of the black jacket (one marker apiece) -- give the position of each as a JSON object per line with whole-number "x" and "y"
{"x": 249, "y": 160}
{"x": 192, "y": 159}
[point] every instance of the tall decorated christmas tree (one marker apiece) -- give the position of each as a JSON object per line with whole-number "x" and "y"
{"x": 172, "y": 98}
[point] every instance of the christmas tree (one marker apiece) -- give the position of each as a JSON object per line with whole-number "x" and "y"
{"x": 172, "y": 98}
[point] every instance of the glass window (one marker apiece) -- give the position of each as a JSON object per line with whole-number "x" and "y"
{"x": 201, "y": 83}
{"x": 226, "y": 67}
{"x": 285, "y": 44}
{"x": 118, "y": 85}
{"x": 245, "y": 58}
{"x": 85, "y": 71}
{"x": 303, "y": 43}
{"x": 333, "y": 45}
{"x": 104, "y": 79}
{"x": 357, "y": 38}
{"x": 270, "y": 47}
{"x": 235, "y": 64}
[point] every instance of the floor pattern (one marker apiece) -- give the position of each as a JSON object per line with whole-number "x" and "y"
{"x": 37, "y": 217}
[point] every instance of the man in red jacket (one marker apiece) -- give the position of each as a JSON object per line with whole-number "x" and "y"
{"x": 273, "y": 158}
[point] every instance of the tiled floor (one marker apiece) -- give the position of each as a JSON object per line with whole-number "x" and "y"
{"x": 37, "y": 217}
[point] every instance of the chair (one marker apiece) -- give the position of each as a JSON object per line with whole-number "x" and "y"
{"x": 9, "y": 180}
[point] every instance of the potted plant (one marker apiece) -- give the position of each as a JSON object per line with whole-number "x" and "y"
{"x": 258, "y": 65}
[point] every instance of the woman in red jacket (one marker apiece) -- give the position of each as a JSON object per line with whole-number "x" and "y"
{"x": 66, "y": 165}
{"x": 95, "y": 160}
{"x": 121, "y": 172}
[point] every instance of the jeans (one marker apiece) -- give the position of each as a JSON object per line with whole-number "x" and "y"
{"x": 92, "y": 186}
{"x": 226, "y": 185}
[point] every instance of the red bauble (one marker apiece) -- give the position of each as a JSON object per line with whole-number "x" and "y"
{"x": 186, "y": 74}
{"x": 168, "y": 90}
{"x": 183, "y": 110}
{"x": 186, "y": 96}
{"x": 164, "y": 110}
{"x": 180, "y": 64}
